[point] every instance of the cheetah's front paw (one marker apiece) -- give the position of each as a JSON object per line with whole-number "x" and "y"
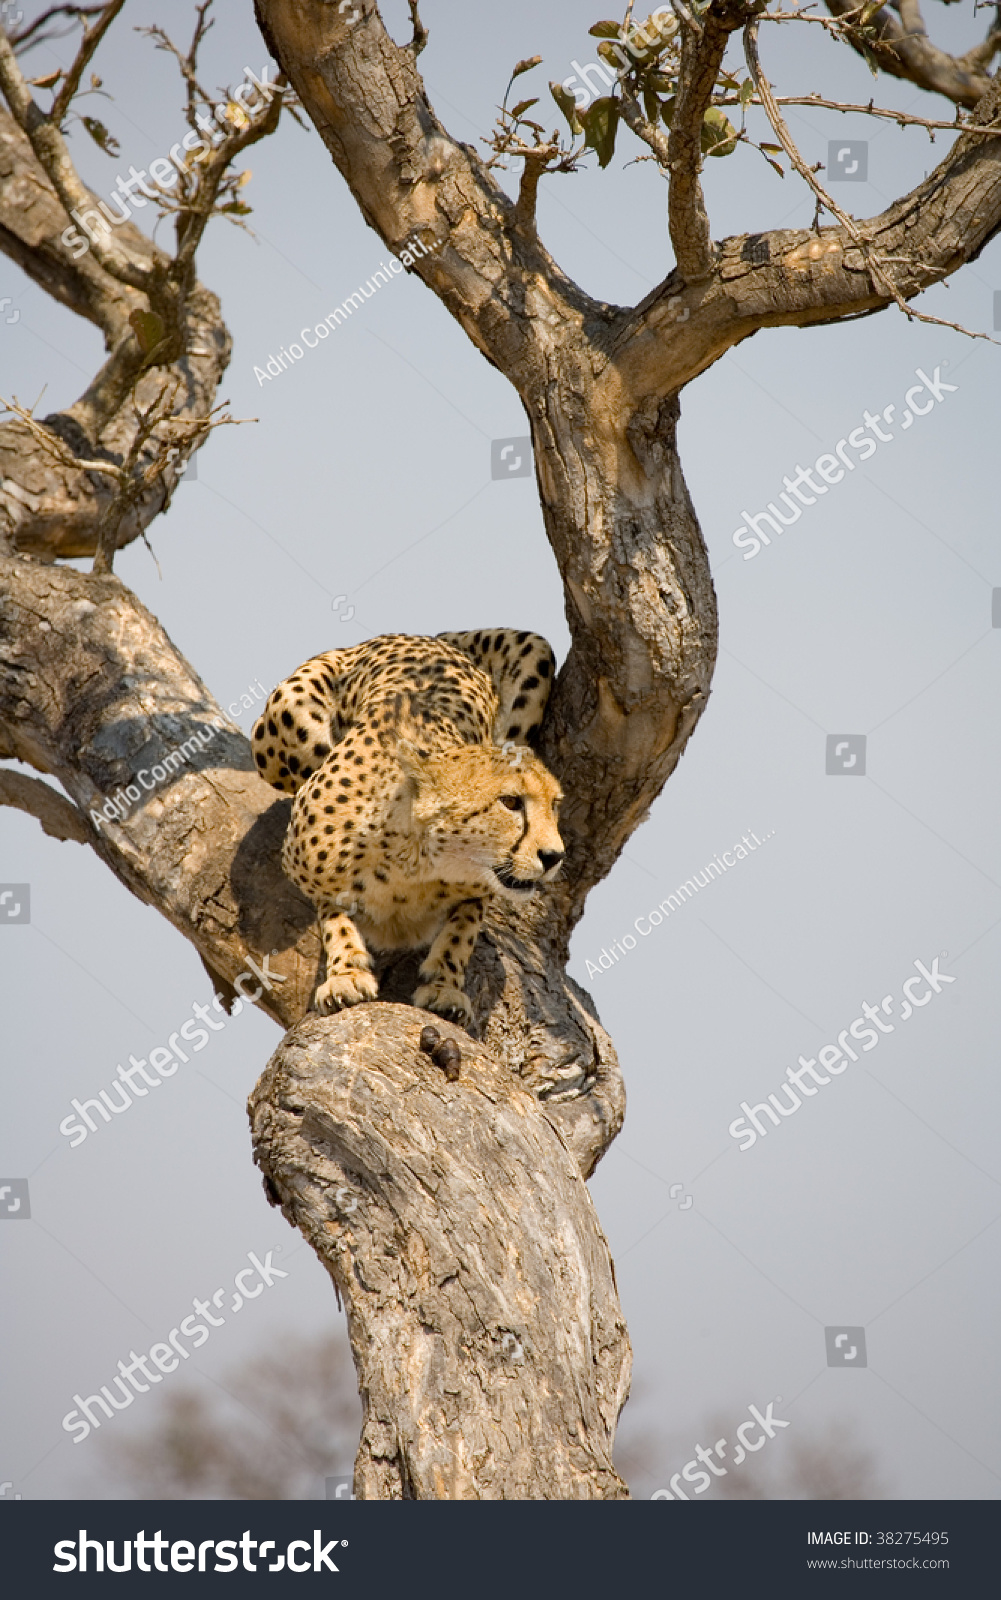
{"x": 445, "y": 999}
{"x": 346, "y": 989}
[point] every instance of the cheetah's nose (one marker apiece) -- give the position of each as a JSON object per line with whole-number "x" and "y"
{"x": 550, "y": 859}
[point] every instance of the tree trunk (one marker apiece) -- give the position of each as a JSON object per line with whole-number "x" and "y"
{"x": 491, "y": 1351}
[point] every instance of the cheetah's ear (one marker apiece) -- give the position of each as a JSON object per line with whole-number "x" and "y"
{"x": 412, "y": 760}
{"x": 408, "y": 742}
{"x": 420, "y": 791}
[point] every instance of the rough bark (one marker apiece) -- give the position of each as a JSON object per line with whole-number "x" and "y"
{"x": 482, "y": 1308}
{"x": 92, "y": 692}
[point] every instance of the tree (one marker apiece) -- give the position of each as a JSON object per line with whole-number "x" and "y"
{"x": 286, "y": 1419}
{"x": 280, "y": 1423}
{"x": 454, "y": 1218}
{"x": 829, "y": 1462}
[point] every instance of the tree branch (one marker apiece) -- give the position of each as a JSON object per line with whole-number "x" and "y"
{"x": 905, "y": 119}
{"x": 653, "y": 137}
{"x": 50, "y": 148}
{"x": 903, "y": 49}
{"x": 420, "y": 33}
{"x": 93, "y": 692}
{"x": 877, "y": 263}
{"x": 26, "y": 38}
{"x": 70, "y": 509}
{"x": 702, "y": 55}
{"x": 59, "y": 819}
{"x": 88, "y": 46}
{"x": 981, "y": 55}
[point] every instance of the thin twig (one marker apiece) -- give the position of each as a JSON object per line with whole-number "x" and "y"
{"x": 903, "y": 117}
{"x": 187, "y": 63}
{"x": 420, "y": 37}
{"x": 88, "y": 45}
{"x": 25, "y": 40}
{"x": 132, "y": 481}
{"x": 54, "y": 446}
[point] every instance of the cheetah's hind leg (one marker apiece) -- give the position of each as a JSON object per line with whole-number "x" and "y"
{"x": 302, "y": 719}
{"x": 522, "y": 667}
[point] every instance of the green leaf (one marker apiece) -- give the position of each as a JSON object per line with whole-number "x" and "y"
{"x": 719, "y": 136}
{"x": 659, "y": 81}
{"x": 237, "y": 208}
{"x": 651, "y": 105}
{"x": 525, "y": 66}
{"x": 746, "y": 91}
{"x": 776, "y": 149}
{"x": 148, "y": 329}
{"x": 100, "y": 135}
{"x": 601, "y": 122}
{"x": 567, "y": 105}
{"x": 870, "y": 60}
{"x": 523, "y": 105}
{"x": 667, "y": 110}
{"x": 605, "y": 30}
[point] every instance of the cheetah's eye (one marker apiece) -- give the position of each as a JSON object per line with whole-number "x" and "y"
{"x": 514, "y": 802}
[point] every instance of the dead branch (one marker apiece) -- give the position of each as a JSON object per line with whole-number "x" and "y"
{"x": 59, "y": 819}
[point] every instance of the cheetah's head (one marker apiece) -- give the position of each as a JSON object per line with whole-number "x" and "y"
{"x": 484, "y": 815}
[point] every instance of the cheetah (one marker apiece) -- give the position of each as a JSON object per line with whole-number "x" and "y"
{"x": 416, "y": 799}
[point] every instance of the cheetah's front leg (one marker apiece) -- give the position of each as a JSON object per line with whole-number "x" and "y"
{"x": 444, "y": 968}
{"x": 349, "y": 965}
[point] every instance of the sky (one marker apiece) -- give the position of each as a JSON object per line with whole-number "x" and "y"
{"x": 849, "y": 748}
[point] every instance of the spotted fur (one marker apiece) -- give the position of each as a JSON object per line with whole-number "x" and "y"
{"x": 417, "y": 798}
